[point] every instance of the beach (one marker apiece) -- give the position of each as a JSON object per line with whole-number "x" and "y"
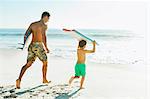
{"x": 117, "y": 70}
{"x": 103, "y": 81}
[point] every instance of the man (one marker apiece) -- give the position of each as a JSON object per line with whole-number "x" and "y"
{"x": 37, "y": 48}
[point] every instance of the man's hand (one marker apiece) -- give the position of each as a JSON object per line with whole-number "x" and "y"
{"x": 24, "y": 39}
{"x": 47, "y": 50}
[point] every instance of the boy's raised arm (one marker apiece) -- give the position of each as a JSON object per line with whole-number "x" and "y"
{"x": 93, "y": 50}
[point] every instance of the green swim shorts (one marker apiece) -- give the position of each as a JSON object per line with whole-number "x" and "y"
{"x": 80, "y": 70}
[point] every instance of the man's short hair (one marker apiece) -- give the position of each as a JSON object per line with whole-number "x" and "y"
{"x": 45, "y": 14}
{"x": 82, "y": 43}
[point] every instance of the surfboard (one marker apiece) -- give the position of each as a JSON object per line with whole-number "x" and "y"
{"x": 78, "y": 35}
{"x": 26, "y": 42}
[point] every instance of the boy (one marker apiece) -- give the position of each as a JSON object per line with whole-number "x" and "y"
{"x": 80, "y": 65}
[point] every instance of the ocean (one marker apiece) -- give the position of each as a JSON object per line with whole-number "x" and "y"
{"x": 115, "y": 46}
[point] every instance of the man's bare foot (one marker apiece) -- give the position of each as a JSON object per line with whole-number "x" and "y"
{"x": 18, "y": 83}
{"x": 81, "y": 88}
{"x": 46, "y": 81}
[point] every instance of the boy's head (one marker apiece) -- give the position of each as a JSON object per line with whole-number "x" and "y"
{"x": 82, "y": 44}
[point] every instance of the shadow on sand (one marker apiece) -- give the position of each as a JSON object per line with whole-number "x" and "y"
{"x": 66, "y": 95}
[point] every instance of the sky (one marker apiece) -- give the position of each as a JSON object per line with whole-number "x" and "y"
{"x": 75, "y": 14}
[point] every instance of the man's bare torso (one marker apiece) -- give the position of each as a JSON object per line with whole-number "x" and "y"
{"x": 37, "y": 29}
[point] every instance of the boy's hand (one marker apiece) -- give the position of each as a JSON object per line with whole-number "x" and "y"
{"x": 94, "y": 42}
{"x": 93, "y": 50}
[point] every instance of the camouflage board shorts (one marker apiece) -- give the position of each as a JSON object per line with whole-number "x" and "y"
{"x": 36, "y": 49}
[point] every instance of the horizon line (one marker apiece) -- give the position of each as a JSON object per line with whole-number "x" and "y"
{"x": 74, "y": 28}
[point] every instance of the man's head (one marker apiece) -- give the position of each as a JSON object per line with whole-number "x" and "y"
{"x": 45, "y": 16}
{"x": 82, "y": 44}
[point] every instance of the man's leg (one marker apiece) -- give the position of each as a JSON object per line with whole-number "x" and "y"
{"x": 44, "y": 71}
{"x": 41, "y": 54}
{"x": 24, "y": 68}
{"x": 82, "y": 81}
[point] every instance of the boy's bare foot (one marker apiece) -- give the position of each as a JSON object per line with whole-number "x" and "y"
{"x": 69, "y": 83}
{"x": 18, "y": 83}
{"x": 70, "y": 80}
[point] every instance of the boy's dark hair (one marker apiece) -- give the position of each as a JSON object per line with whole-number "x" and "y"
{"x": 82, "y": 43}
{"x": 45, "y": 14}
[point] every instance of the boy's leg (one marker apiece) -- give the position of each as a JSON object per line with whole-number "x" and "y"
{"x": 83, "y": 73}
{"x": 23, "y": 69}
{"x": 76, "y": 74}
{"x": 72, "y": 78}
{"x": 82, "y": 81}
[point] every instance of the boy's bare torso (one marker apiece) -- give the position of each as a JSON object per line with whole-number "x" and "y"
{"x": 37, "y": 29}
{"x": 81, "y": 56}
